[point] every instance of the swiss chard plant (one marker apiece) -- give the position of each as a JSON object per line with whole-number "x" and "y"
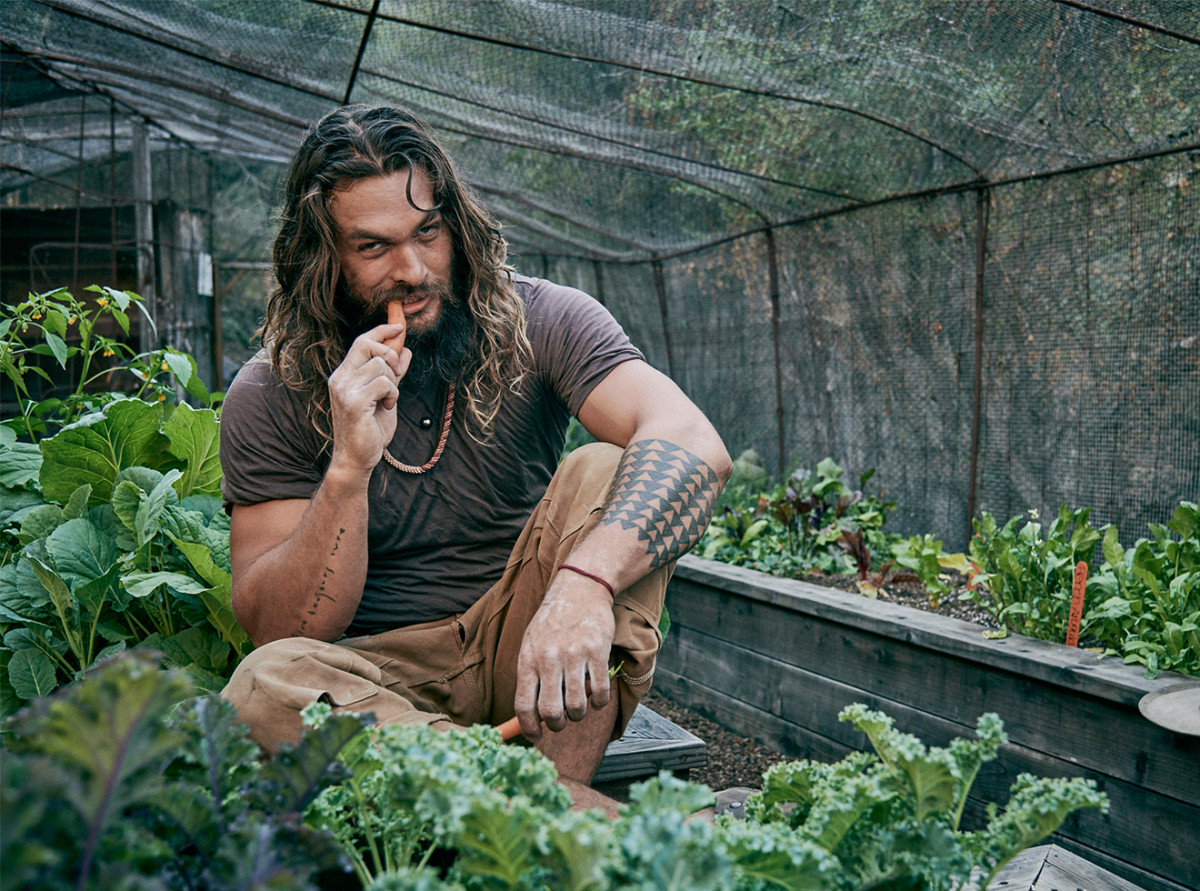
{"x": 798, "y": 526}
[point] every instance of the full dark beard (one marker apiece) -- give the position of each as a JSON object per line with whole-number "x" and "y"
{"x": 442, "y": 353}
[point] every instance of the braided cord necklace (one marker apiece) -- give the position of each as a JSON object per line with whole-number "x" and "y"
{"x": 441, "y": 446}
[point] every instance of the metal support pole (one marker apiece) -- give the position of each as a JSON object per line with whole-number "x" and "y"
{"x": 982, "y": 199}
{"x": 773, "y": 296}
{"x": 660, "y": 288}
{"x": 144, "y": 232}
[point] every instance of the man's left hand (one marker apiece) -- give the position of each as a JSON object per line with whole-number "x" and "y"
{"x": 563, "y": 664}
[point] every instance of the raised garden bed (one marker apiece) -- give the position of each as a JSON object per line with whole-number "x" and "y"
{"x": 778, "y": 659}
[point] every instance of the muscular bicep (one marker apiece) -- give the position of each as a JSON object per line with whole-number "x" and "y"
{"x": 255, "y": 529}
{"x": 636, "y": 401}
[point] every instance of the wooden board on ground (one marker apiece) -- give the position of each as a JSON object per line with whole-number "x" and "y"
{"x": 1050, "y": 868}
{"x": 651, "y": 743}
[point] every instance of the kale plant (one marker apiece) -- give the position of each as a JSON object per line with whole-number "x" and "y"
{"x": 125, "y": 780}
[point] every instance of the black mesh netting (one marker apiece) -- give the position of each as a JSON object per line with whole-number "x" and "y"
{"x": 794, "y": 207}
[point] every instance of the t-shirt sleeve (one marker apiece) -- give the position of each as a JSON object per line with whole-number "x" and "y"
{"x": 269, "y": 448}
{"x": 576, "y": 341}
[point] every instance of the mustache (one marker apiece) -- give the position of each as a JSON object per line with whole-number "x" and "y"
{"x": 375, "y": 310}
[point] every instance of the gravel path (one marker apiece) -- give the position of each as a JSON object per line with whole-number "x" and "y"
{"x": 732, "y": 760}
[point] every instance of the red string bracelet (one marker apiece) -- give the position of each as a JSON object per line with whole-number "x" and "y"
{"x": 592, "y": 576}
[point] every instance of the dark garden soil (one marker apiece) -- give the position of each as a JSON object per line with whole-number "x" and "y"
{"x": 735, "y": 760}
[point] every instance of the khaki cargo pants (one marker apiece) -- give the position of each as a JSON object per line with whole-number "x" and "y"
{"x": 461, "y": 670}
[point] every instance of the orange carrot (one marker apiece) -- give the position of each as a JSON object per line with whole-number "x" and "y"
{"x": 509, "y": 729}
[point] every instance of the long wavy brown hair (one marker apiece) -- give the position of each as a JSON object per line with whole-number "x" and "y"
{"x": 310, "y": 319}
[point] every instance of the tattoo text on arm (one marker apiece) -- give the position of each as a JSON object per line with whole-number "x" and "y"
{"x": 664, "y": 492}
{"x": 320, "y": 592}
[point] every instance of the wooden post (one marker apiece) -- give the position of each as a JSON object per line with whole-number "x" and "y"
{"x": 144, "y": 233}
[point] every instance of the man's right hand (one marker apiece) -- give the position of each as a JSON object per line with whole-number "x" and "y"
{"x": 363, "y": 392}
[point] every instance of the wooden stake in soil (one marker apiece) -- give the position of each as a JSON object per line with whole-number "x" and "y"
{"x": 1081, "y": 571}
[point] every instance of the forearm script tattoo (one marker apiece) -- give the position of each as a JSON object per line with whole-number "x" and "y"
{"x": 320, "y": 593}
{"x": 664, "y": 492}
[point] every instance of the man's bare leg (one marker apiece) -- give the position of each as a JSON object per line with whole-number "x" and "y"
{"x": 577, "y": 751}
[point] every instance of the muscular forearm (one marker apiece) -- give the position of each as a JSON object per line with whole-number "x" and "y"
{"x": 310, "y": 584}
{"x": 661, "y": 500}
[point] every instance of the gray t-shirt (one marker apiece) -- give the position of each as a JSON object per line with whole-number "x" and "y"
{"x": 439, "y": 540}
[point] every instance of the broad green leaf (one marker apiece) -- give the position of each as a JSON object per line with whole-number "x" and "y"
{"x": 80, "y": 551}
{"x": 126, "y": 498}
{"x": 60, "y": 594}
{"x": 58, "y": 347}
{"x": 180, "y": 367}
{"x": 195, "y": 436}
{"x": 1114, "y": 554}
{"x": 201, "y": 559}
{"x": 145, "y": 524}
{"x": 98, "y": 447}
{"x": 196, "y": 646}
{"x": 40, "y": 522}
{"x": 184, "y": 525}
{"x": 93, "y": 595}
{"x": 19, "y": 463}
{"x": 122, "y": 320}
{"x": 78, "y": 502}
{"x": 31, "y": 673}
{"x": 56, "y": 322}
{"x": 143, "y": 584}
{"x": 22, "y": 597}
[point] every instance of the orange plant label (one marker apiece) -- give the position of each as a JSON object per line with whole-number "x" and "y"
{"x": 1081, "y": 571}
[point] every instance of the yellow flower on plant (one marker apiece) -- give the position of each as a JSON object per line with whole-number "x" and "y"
{"x": 165, "y": 366}
{"x": 108, "y": 353}
{"x": 103, "y": 301}
{"x": 161, "y": 397}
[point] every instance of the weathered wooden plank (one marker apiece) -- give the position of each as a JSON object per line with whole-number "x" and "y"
{"x": 1064, "y": 870}
{"x": 1069, "y": 667}
{"x": 1132, "y": 830}
{"x": 800, "y": 742}
{"x": 1109, "y": 737}
{"x": 1021, "y": 873}
{"x": 650, "y": 743}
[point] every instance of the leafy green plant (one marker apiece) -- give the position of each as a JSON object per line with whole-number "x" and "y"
{"x": 1149, "y": 609}
{"x": 893, "y": 819}
{"x": 126, "y": 780}
{"x": 415, "y": 795}
{"x": 65, "y": 329}
{"x": 1142, "y": 604}
{"x": 922, "y": 555}
{"x": 1028, "y": 572}
{"x": 799, "y": 526}
{"x": 119, "y": 541}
